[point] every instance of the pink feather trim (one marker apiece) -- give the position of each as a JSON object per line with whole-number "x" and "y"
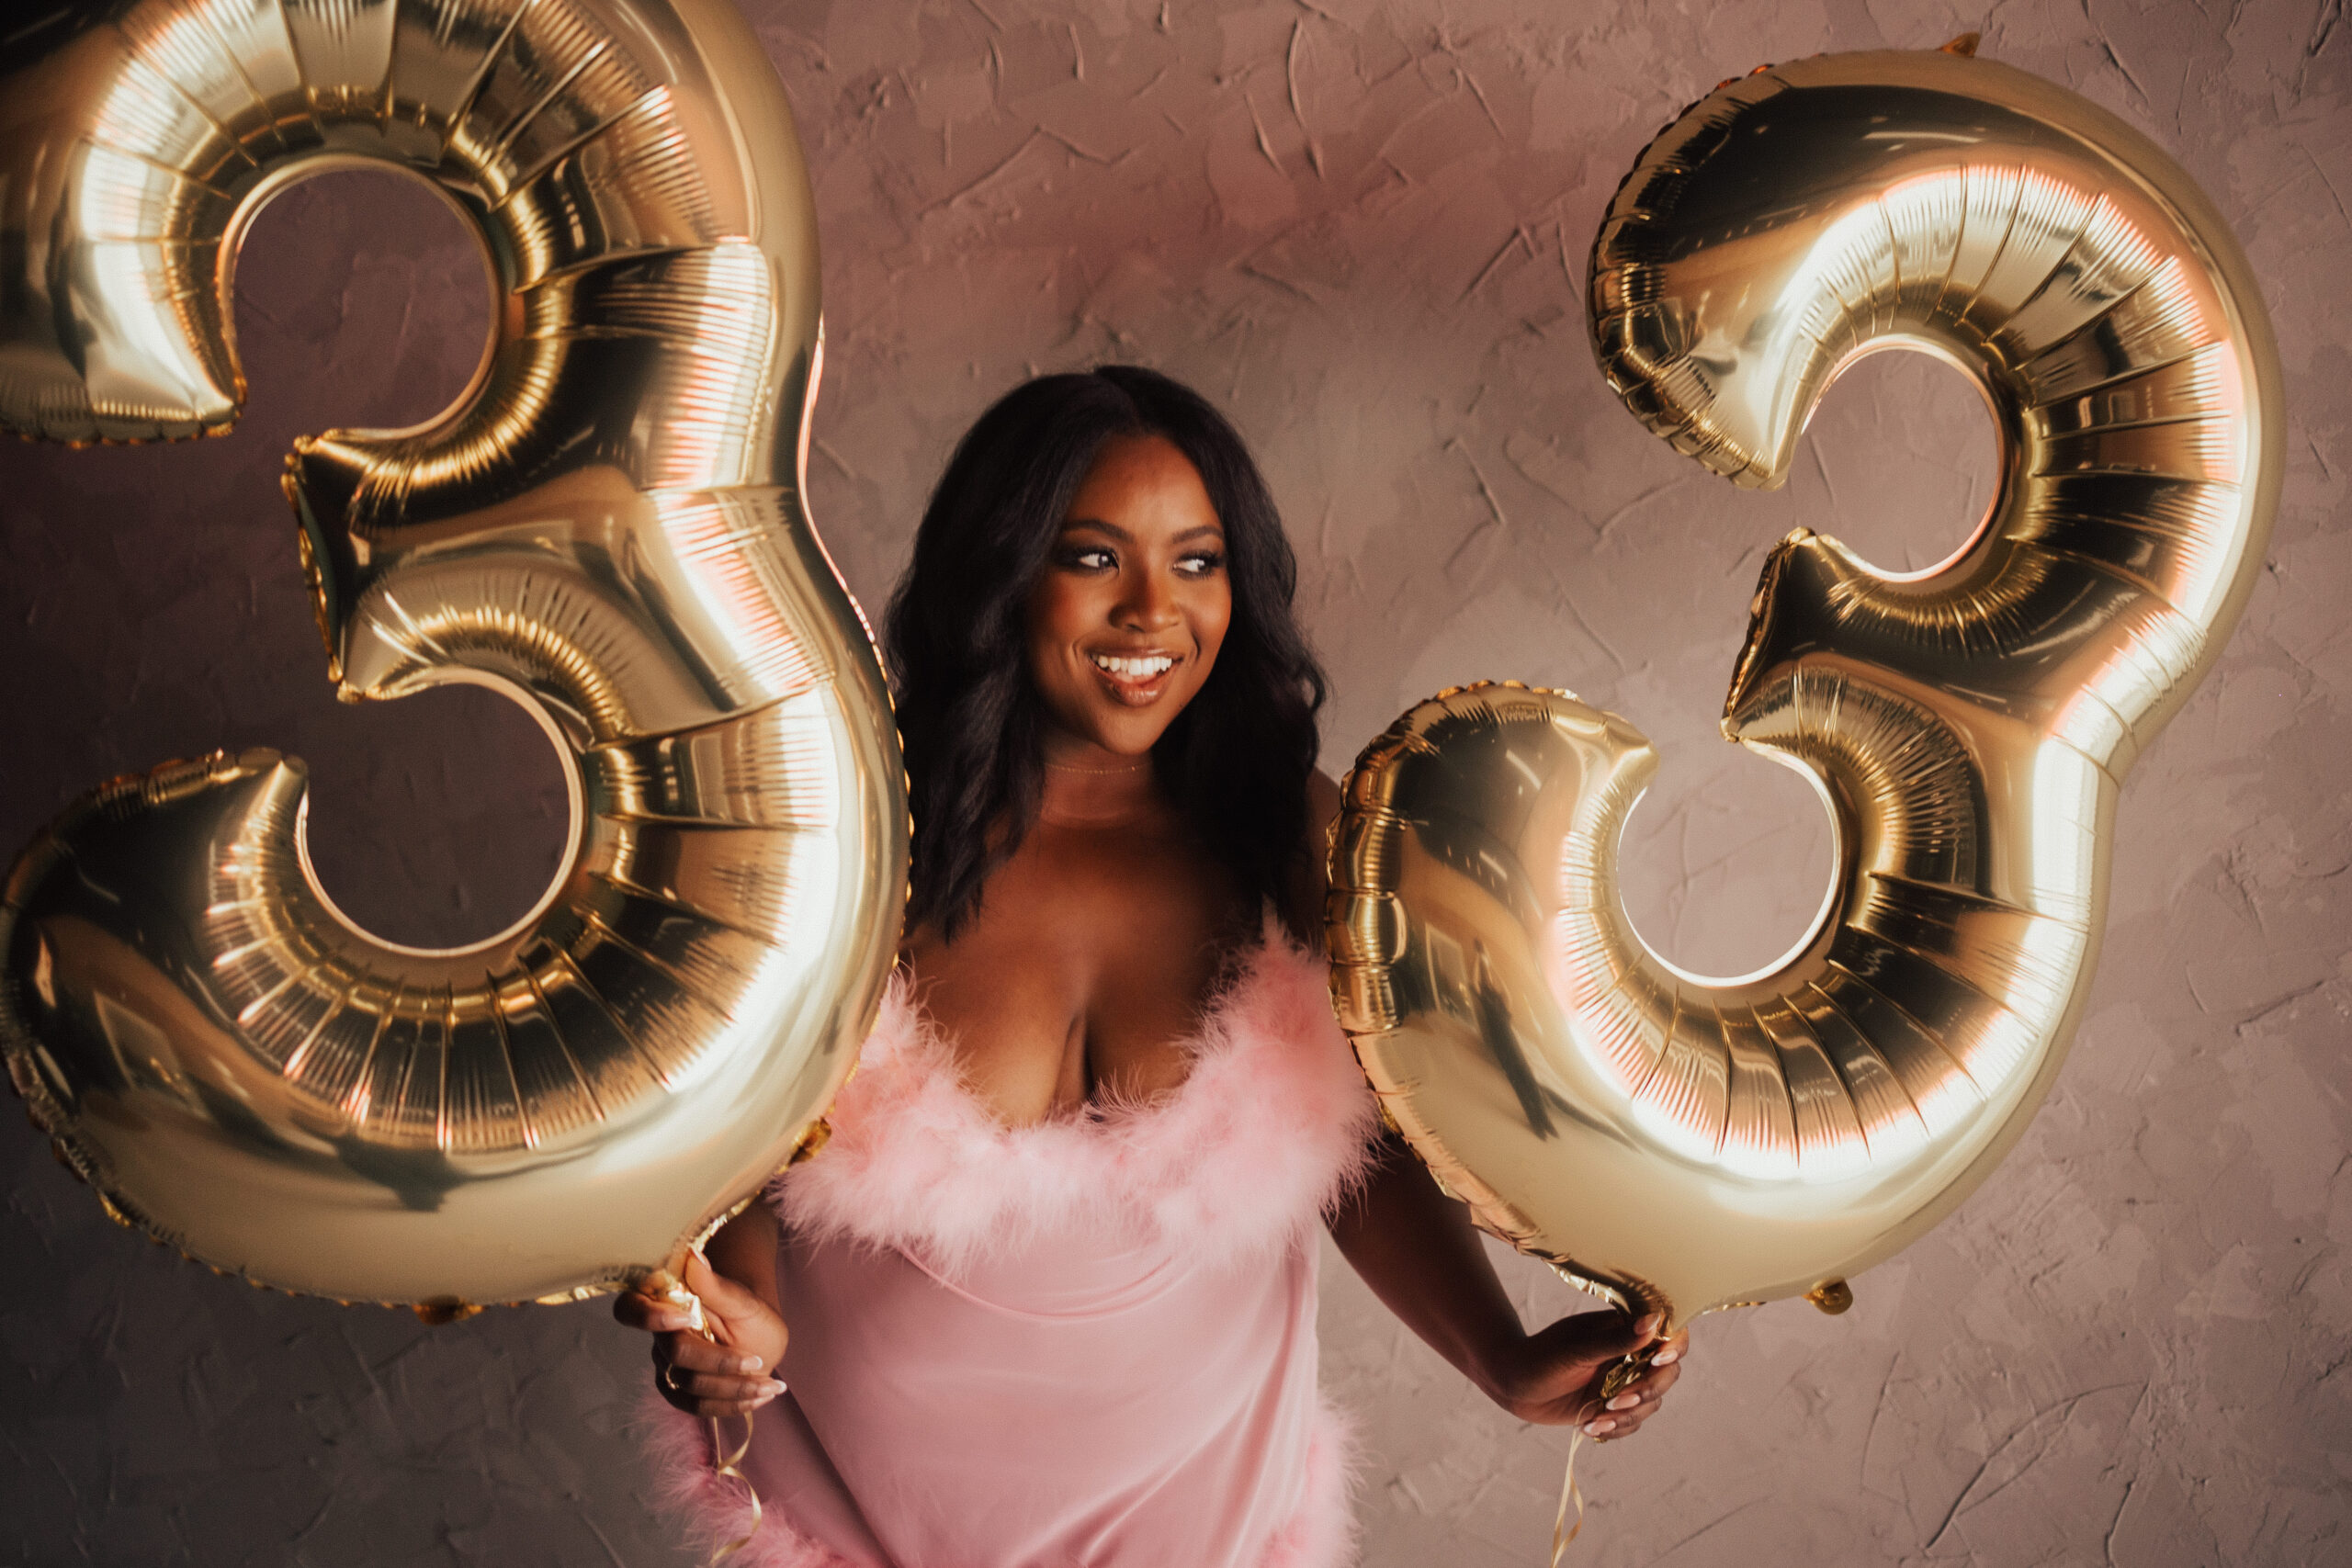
{"x": 1273, "y": 1124}
{"x": 717, "y": 1509}
{"x": 1322, "y": 1534}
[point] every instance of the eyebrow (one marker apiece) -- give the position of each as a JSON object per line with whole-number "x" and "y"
{"x": 1203, "y": 530}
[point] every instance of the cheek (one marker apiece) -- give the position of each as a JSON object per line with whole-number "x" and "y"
{"x": 1053, "y": 618}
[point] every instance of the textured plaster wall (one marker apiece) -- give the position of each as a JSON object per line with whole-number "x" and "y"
{"x": 1360, "y": 225}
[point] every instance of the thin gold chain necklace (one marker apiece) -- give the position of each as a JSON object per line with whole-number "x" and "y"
{"x": 1101, "y": 773}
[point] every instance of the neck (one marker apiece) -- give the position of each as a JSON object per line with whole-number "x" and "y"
{"x": 1087, "y": 786}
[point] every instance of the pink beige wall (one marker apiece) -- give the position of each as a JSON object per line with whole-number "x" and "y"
{"x": 1360, "y": 225}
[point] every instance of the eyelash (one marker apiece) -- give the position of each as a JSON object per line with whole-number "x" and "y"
{"x": 1204, "y": 562}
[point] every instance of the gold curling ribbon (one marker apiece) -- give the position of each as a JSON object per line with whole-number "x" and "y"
{"x": 1569, "y": 1493}
{"x": 1623, "y": 1371}
{"x": 727, "y": 1468}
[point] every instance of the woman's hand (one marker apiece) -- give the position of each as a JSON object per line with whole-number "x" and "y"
{"x": 1415, "y": 1247}
{"x": 1554, "y": 1376}
{"x": 726, "y": 1374}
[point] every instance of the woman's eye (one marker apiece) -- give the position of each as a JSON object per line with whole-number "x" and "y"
{"x": 1089, "y": 560}
{"x": 1201, "y": 563}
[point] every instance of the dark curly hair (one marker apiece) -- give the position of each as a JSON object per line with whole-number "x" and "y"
{"x": 1237, "y": 761}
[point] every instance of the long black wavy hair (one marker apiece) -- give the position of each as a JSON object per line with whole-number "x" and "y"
{"x": 1237, "y": 761}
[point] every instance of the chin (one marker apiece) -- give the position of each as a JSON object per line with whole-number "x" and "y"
{"x": 1123, "y": 729}
{"x": 1127, "y": 735}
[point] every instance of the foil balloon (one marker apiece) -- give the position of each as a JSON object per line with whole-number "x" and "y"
{"x": 1688, "y": 1144}
{"x": 607, "y": 527}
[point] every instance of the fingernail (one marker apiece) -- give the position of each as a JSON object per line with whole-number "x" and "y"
{"x": 1666, "y": 1357}
{"x": 779, "y": 1384}
{"x": 1597, "y": 1429}
{"x": 1648, "y": 1323}
{"x": 748, "y": 1364}
{"x": 765, "y": 1394}
{"x": 1624, "y": 1401}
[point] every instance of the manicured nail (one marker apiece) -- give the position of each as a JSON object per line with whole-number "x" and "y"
{"x": 1624, "y": 1401}
{"x": 748, "y": 1364}
{"x": 765, "y": 1394}
{"x": 779, "y": 1384}
{"x": 1600, "y": 1428}
{"x": 1666, "y": 1357}
{"x": 1648, "y": 1322}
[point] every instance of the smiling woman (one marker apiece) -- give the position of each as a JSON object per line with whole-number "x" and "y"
{"x": 1051, "y": 1286}
{"x": 1134, "y": 602}
{"x": 1021, "y": 553}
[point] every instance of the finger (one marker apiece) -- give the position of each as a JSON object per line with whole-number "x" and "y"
{"x": 720, "y": 1385}
{"x": 635, "y": 1309}
{"x": 1627, "y": 1415}
{"x": 1651, "y": 1385}
{"x": 1598, "y": 1336}
{"x": 1661, "y": 1369}
{"x": 714, "y": 1388}
{"x": 1609, "y": 1428}
{"x": 1624, "y": 1411}
{"x": 700, "y": 1378}
{"x": 693, "y": 1353}
{"x": 719, "y": 1293}
{"x": 1612, "y": 1425}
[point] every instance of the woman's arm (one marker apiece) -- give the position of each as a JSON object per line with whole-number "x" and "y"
{"x": 727, "y": 1373}
{"x": 1417, "y": 1249}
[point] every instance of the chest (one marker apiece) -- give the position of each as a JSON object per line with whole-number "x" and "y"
{"x": 1085, "y": 969}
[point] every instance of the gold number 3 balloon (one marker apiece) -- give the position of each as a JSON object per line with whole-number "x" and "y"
{"x": 607, "y": 527}
{"x": 1691, "y": 1143}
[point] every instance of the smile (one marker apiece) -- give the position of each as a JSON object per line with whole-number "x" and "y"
{"x": 1148, "y": 667}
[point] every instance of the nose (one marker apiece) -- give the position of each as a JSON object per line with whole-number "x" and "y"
{"x": 1148, "y": 603}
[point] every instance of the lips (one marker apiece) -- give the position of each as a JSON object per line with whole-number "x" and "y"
{"x": 1134, "y": 678}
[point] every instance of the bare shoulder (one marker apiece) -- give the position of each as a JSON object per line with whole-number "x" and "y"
{"x": 1322, "y": 805}
{"x": 1310, "y": 876}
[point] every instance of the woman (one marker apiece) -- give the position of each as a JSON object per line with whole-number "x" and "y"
{"x": 1050, "y": 1288}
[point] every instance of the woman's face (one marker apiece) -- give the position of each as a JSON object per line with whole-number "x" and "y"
{"x": 1127, "y": 617}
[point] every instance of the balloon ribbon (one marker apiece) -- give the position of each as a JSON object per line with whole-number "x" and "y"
{"x": 1569, "y": 1492}
{"x": 1625, "y": 1371}
{"x": 729, "y": 1467}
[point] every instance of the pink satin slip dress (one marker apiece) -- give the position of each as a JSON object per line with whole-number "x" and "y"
{"x": 1088, "y": 1343}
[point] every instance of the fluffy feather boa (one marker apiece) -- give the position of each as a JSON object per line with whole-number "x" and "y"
{"x": 1273, "y": 1124}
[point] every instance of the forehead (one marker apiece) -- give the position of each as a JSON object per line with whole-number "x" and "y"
{"x": 1142, "y": 484}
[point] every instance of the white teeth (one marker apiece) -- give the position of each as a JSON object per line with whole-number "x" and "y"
{"x": 1135, "y": 669}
